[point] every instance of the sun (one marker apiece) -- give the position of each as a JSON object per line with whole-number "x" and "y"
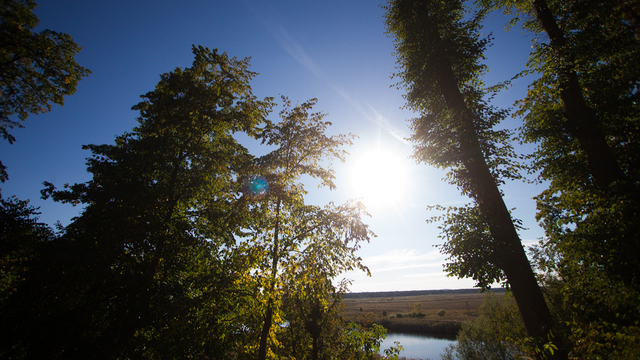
{"x": 379, "y": 177}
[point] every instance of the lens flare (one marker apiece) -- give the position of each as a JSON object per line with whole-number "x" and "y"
{"x": 255, "y": 187}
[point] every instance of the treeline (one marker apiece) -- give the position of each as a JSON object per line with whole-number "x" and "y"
{"x": 391, "y": 294}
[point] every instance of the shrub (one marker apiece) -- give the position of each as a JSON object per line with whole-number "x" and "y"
{"x": 442, "y": 313}
{"x": 417, "y": 308}
{"x": 493, "y": 335}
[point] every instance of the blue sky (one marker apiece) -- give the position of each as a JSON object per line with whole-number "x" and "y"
{"x": 335, "y": 51}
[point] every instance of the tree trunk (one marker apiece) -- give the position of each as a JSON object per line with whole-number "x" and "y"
{"x": 314, "y": 327}
{"x": 508, "y": 253}
{"x": 268, "y": 318}
{"x": 581, "y": 122}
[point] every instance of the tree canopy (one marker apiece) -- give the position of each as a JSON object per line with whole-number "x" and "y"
{"x": 588, "y": 66}
{"x": 299, "y": 243}
{"x": 439, "y": 53}
{"x": 37, "y": 69}
{"x": 150, "y": 243}
{"x": 187, "y": 243}
{"x": 581, "y": 112}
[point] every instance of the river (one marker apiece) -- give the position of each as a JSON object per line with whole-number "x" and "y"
{"x": 417, "y": 346}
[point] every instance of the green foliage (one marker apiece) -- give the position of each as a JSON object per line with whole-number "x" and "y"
{"x": 581, "y": 112}
{"x": 601, "y": 339}
{"x": 288, "y": 236}
{"x": 438, "y": 134}
{"x": 417, "y": 308}
{"x": 455, "y": 130}
{"x": 21, "y": 234}
{"x": 37, "y": 69}
{"x": 151, "y": 267}
{"x": 439, "y": 51}
{"x": 361, "y": 343}
{"x": 469, "y": 244}
{"x": 494, "y": 334}
{"x": 187, "y": 244}
{"x": 597, "y": 42}
{"x": 315, "y": 327}
{"x": 393, "y": 353}
{"x": 592, "y": 241}
{"x": 598, "y": 315}
{"x": 600, "y": 51}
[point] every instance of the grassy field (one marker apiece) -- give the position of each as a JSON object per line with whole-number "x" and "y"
{"x": 440, "y": 312}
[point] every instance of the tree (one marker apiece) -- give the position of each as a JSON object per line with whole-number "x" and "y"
{"x": 587, "y": 75}
{"x": 151, "y": 267}
{"x": 580, "y": 120}
{"x": 589, "y": 59}
{"x": 313, "y": 311}
{"x": 288, "y": 233}
{"x": 37, "y": 69}
{"x": 439, "y": 60}
{"x": 582, "y": 113}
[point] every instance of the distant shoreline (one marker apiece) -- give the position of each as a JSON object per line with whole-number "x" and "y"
{"x": 374, "y": 294}
{"x": 442, "y": 329}
{"x": 426, "y": 312}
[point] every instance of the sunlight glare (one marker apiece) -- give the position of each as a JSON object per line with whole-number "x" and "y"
{"x": 379, "y": 177}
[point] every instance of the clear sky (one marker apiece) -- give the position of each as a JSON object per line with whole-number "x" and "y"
{"x": 333, "y": 50}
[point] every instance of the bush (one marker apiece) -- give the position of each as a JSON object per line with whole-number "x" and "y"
{"x": 493, "y": 335}
{"x": 417, "y": 308}
{"x": 384, "y": 312}
{"x": 442, "y": 313}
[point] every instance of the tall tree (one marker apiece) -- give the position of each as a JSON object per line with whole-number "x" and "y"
{"x": 586, "y": 57}
{"x": 588, "y": 73}
{"x": 581, "y": 121}
{"x": 36, "y": 69}
{"x": 439, "y": 56}
{"x": 593, "y": 44}
{"x": 289, "y": 232}
{"x": 150, "y": 265}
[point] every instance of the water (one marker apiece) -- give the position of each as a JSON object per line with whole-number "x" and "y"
{"x": 417, "y": 346}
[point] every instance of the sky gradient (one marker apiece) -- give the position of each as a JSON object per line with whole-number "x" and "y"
{"x": 335, "y": 51}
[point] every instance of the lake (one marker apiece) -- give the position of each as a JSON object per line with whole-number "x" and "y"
{"x": 417, "y": 346}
